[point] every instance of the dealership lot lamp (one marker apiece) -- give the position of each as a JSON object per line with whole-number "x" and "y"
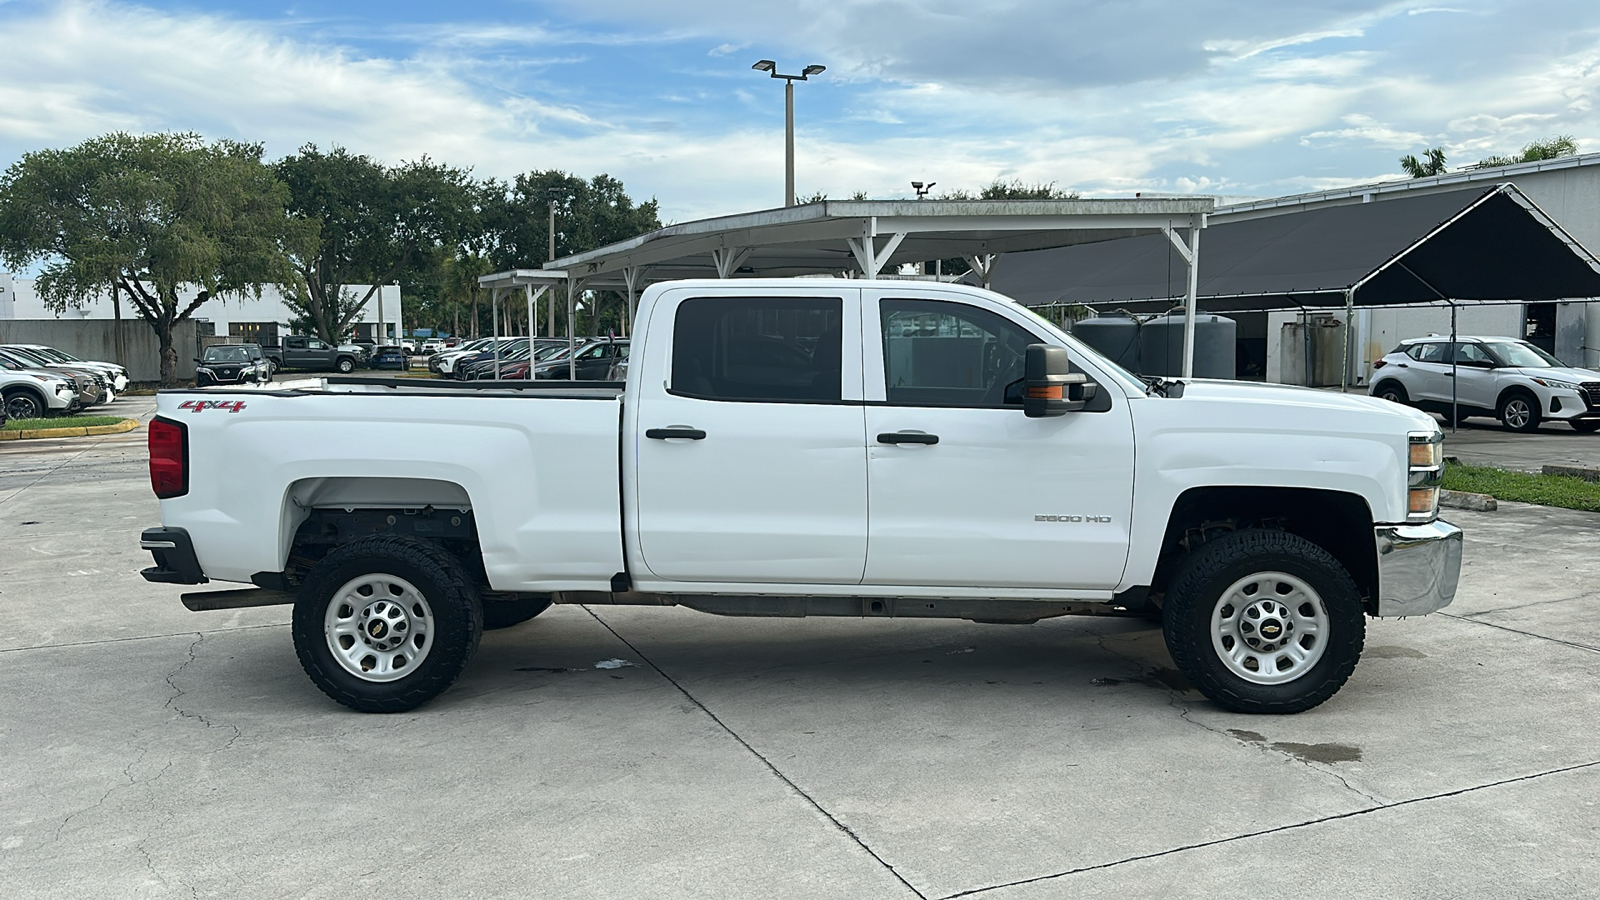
{"x": 771, "y": 68}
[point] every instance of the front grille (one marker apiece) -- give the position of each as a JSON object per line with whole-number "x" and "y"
{"x": 1591, "y": 394}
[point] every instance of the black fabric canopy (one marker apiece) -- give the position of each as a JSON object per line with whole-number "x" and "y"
{"x": 1477, "y": 245}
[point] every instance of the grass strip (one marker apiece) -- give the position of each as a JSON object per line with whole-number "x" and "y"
{"x": 1524, "y": 487}
{"x": 61, "y": 422}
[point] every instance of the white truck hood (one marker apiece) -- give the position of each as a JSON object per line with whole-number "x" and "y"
{"x": 1288, "y": 394}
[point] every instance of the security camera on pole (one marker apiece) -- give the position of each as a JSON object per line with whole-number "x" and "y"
{"x": 771, "y": 68}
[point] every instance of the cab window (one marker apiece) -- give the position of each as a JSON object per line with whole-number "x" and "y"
{"x": 759, "y": 348}
{"x": 938, "y": 353}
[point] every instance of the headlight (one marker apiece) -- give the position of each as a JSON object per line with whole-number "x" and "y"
{"x": 1426, "y": 472}
{"x": 1558, "y": 385}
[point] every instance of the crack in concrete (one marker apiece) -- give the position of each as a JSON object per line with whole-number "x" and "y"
{"x": 142, "y": 637}
{"x": 178, "y": 692}
{"x": 1444, "y": 795}
{"x": 841, "y": 826}
{"x": 1498, "y": 609}
{"x": 1531, "y": 634}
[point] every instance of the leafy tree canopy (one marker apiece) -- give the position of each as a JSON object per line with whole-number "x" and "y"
{"x": 1549, "y": 148}
{"x": 165, "y": 218}
{"x": 1432, "y": 163}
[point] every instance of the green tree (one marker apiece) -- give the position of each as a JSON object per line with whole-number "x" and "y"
{"x": 589, "y": 214}
{"x": 168, "y": 219}
{"x": 368, "y": 224}
{"x": 1431, "y": 164}
{"x": 1549, "y": 148}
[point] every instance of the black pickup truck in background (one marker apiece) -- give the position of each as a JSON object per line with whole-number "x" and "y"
{"x": 314, "y": 354}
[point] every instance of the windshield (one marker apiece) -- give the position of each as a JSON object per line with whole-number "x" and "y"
{"x": 1526, "y": 356}
{"x": 31, "y": 356}
{"x": 226, "y": 355}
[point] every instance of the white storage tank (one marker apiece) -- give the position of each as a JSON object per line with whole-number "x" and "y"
{"x": 1215, "y": 346}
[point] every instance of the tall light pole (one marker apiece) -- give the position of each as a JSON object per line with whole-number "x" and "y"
{"x": 771, "y": 68}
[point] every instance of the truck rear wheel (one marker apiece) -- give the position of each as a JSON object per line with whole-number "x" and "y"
{"x": 1264, "y": 622}
{"x": 385, "y": 624}
{"x": 345, "y": 365}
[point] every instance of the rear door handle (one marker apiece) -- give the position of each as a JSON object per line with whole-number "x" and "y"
{"x": 907, "y": 437}
{"x": 682, "y": 434}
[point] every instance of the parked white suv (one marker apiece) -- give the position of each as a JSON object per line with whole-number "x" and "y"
{"x": 1503, "y": 377}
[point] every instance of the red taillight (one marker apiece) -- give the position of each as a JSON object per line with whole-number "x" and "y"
{"x": 1379, "y": 363}
{"x": 169, "y": 458}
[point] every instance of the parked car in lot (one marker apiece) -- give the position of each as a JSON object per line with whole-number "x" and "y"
{"x": 1500, "y": 377}
{"x": 518, "y": 365}
{"x": 36, "y": 394}
{"x": 432, "y": 346}
{"x": 91, "y": 384}
{"x": 313, "y": 354}
{"x": 115, "y": 376}
{"x": 928, "y": 450}
{"x": 444, "y": 363}
{"x": 592, "y": 362}
{"x": 232, "y": 364}
{"x": 391, "y": 358}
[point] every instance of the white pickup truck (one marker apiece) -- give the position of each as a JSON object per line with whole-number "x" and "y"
{"x": 811, "y": 447}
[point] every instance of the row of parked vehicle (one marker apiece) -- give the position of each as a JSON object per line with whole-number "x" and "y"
{"x": 38, "y": 381}
{"x": 525, "y": 359}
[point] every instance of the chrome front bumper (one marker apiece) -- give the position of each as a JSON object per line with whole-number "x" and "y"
{"x": 1418, "y": 567}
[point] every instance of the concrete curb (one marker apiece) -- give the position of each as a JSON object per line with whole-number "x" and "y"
{"x": 80, "y": 431}
{"x": 1466, "y": 500}
{"x": 1587, "y": 473}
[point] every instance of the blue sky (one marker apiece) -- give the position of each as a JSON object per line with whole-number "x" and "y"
{"x": 1240, "y": 98}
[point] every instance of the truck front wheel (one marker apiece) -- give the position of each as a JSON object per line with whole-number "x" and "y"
{"x": 1264, "y": 622}
{"x": 346, "y": 365}
{"x": 385, "y": 624}
{"x": 506, "y": 613}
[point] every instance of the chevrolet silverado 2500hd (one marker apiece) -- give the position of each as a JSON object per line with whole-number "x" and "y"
{"x": 811, "y": 447}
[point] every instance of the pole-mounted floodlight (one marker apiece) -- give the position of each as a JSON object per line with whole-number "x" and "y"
{"x": 771, "y": 68}
{"x": 922, "y": 189}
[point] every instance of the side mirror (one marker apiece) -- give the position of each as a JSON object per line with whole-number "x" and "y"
{"x": 1051, "y": 388}
{"x": 197, "y": 359}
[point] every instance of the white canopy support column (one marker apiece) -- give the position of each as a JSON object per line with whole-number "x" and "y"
{"x": 870, "y": 255}
{"x": 984, "y": 265}
{"x": 574, "y": 285}
{"x": 494, "y": 310}
{"x": 1190, "y": 251}
{"x": 533, "y": 295}
{"x": 631, "y": 277}
{"x": 729, "y": 259}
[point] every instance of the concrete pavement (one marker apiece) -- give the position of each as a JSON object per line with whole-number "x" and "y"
{"x": 153, "y": 752}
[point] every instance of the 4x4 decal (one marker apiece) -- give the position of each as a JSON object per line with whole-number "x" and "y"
{"x": 232, "y": 406}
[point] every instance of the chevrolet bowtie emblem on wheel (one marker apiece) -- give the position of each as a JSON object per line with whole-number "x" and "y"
{"x": 1100, "y": 519}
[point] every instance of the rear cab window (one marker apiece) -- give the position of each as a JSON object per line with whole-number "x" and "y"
{"x": 758, "y": 349}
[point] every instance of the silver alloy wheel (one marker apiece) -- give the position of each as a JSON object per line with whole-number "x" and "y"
{"x": 1269, "y": 627}
{"x": 1390, "y": 395}
{"x": 379, "y": 627}
{"x": 1517, "y": 412}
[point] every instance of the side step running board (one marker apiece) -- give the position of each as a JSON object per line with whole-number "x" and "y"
{"x": 203, "y": 601}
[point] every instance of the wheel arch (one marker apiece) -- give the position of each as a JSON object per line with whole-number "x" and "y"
{"x": 37, "y": 393}
{"x": 1337, "y": 521}
{"x": 321, "y": 514}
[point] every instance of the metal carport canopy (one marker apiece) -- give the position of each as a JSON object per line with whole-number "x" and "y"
{"x": 1471, "y": 245}
{"x": 870, "y": 237}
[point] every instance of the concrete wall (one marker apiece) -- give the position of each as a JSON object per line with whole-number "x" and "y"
{"x": 96, "y": 339}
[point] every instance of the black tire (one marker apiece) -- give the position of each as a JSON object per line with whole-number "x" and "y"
{"x": 1393, "y": 391}
{"x": 1200, "y": 589}
{"x": 200, "y": 381}
{"x": 1584, "y": 426}
{"x": 345, "y": 365}
{"x": 1519, "y": 411}
{"x": 449, "y": 618}
{"x": 272, "y": 368}
{"x": 24, "y": 404}
{"x": 506, "y": 613}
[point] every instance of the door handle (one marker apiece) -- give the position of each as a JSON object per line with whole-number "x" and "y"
{"x": 907, "y": 437}
{"x": 1402, "y": 365}
{"x": 682, "y": 434}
